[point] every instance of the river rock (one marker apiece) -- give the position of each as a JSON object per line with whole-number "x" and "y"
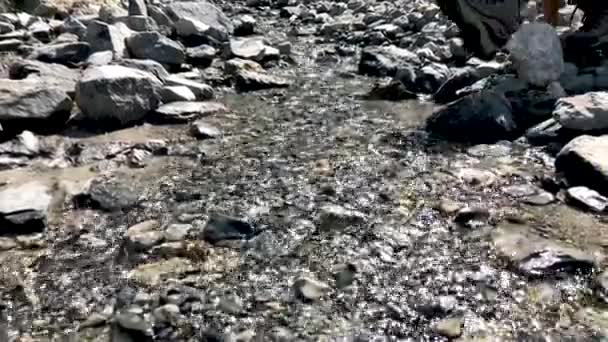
{"x": 24, "y": 208}
{"x": 183, "y": 111}
{"x": 200, "y": 19}
{"x": 137, "y": 7}
{"x": 117, "y": 93}
{"x": 583, "y": 161}
{"x": 32, "y": 99}
{"x": 50, "y": 74}
{"x": 222, "y": 228}
{"x": 588, "y": 198}
{"x": 246, "y": 80}
{"x": 154, "y": 46}
{"x": 102, "y": 36}
{"x": 146, "y": 65}
{"x": 144, "y": 235}
{"x": 537, "y": 53}
{"x": 202, "y": 91}
{"x": 177, "y": 93}
{"x": 386, "y": 60}
{"x": 535, "y": 256}
{"x": 309, "y": 289}
{"x": 64, "y": 53}
{"x": 252, "y": 48}
{"x": 483, "y": 117}
{"x": 584, "y": 112}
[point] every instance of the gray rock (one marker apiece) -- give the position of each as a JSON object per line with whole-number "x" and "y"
{"x": 100, "y": 58}
{"x": 50, "y": 74}
{"x": 74, "y": 26}
{"x": 472, "y": 216}
{"x": 137, "y": 7}
{"x": 450, "y": 327}
{"x": 154, "y": 46}
{"x": 583, "y": 161}
{"x": 535, "y": 256}
{"x": 345, "y": 276}
{"x": 588, "y": 198}
{"x": 24, "y": 208}
{"x": 578, "y": 84}
{"x": 111, "y": 195}
{"x": 309, "y": 289}
{"x": 221, "y": 228}
{"x": 32, "y": 98}
{"x": 102, "y": 37}
{"x": 6, "y": 27}
{"x": 246, "y": 80}
{"x": 168, "y": 313}
{"x": 64, "y": 53}
{"x": 202, "y": 55}
{"x": 144, "y": 235}
{"x": 244, "y": 26}
{"x": 141, "y": 23}
{"x": 184, "y": 111}
{"x": 134, "y": 322}
{"x": 585, "y": 112}
{"x": 202, "y": 130}
{"x": 201, "y": 19}
{"x": 9, "y": 45}
{"x": 335, "y": 218}
{"x": 177, "y": 232}
{"x": 254, "y": 48}
{"x": 201, "y": 91}
{"x": 519, "y": 191}
{"x": 431, "y": 77}
{"x": 146, "y": 65}
{"x": 386, "y": 60}
{"x": 483, "y": 117}
{"x": 537, "y": 53}
{"x": 541, "y": 198}
{"x": 176, "y": 93}
{"x": 602, "y": 282}
{"x": 117, "y": 93}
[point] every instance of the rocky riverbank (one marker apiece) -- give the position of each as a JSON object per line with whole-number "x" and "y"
{"x": 294, "y": 171}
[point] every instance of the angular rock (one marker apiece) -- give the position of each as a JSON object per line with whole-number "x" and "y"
{"x": 24, "y": 208}
{"x": 49, "y": 74}
{"x": 535, "y": 256}
{"x": 585, "y": 112}
{"x": 146, "y": 65}
{"x": 110, "y": 195}
{"x": 102, "y": 37}
{"x": 251, "y": 80}
{"x": 244, "y": 26}
{"x": 537, "y": 53}
{"x": 100, "y": 58}
{"x": 222, "y": 228}
{"x": 32, "y": 99}
{"x": 484, "y": 117}
{"x": 112, "y": 13}
{"x": 184, "y": 111}
{"x": 201, "y": 19}
{"x": 137, "y": 7}
{"x": 202, "y": 130}
{"x": 587, "y": 198}
{"x": 201, "y": 91}
{"x": 141, "y": 23}
{"x": 176, "y": 93}
{"x": 74, "y": 26}
{"x": 202, "y": 55}
{"x": 386, "y": 60}
{"x": 583, "y": 161}
{"x": 177, "y": 232}
{"x": 117, "y": 93}
{"x": 154, "y": 46}
{"x": 252, "y": 48}
{"x": 64, "y": 53}
{"x": 10, "y": 45}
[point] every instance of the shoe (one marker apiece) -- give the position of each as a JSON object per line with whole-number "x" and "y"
{"x": 486, "y": 25}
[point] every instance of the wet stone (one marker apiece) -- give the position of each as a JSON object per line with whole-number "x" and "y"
{"x": 184, "y": 111}
{"x": 310, "y": 289}
{"x": 541, "y": 198}
{"x": 221, "y": 228}
{"x": 535, "y": 256}
{"x": 587, "y": 198}
{"x": 202, "y": 130}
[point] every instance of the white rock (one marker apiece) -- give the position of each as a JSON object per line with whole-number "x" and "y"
{"x": 583, "y": 112}
{"x": 537, "y": 53}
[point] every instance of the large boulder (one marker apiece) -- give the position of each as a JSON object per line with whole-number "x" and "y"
{"x": 154, "y": 46}
{"x": 51, "y": 74}
{"x": 483, "y": 117}
{"x": 537, "y": 53}
{"x": 386, "y": 60}
{"x": 584, "y": 161}
{"x": 31, "y": 99}
{"x": 117, "y": 93}
{"x": 585, "y": 112}
{"x": 200, "y": 19}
